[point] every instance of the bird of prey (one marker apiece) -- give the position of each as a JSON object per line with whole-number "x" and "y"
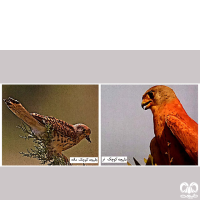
{"x": 176, "y": 134}
{"x": 65, "y": 135}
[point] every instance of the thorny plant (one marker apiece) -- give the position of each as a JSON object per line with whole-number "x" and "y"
{"x": 41, "y": 147}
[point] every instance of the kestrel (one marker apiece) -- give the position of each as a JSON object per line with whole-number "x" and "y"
{"x": 65, "y": 135}
{"x": 176, "y": 134}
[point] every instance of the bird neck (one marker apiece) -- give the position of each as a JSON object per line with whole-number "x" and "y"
{"x": 156, "y": 109}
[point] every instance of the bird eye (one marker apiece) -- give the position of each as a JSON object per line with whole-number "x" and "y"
{"x": 151, "y": 94}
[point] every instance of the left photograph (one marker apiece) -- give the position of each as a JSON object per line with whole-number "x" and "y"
{"x": 50, "y": 125}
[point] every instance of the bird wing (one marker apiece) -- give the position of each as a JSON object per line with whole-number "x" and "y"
{"x": 61, "y": 128}
{"x": 185, "y": 134}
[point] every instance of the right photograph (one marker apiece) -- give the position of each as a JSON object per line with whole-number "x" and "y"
{"x": 149, "y": 124}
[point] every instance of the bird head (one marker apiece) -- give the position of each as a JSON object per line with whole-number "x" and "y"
{"x": 156, "y": 96}
{"x": 82, "y": 131}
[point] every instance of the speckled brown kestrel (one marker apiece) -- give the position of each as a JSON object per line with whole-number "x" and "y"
{"x": 65, "y": 135}
{"x": 176, "y": 134}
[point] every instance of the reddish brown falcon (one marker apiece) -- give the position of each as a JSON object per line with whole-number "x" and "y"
{"x": 176, "y": 134}
{"x": 65, "y": 135}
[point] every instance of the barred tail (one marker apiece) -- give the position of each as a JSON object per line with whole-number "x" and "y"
{"x": 17, "y": 108}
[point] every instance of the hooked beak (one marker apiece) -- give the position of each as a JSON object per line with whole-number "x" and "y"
{"x": 88, "y": 138}
{"x": 146, "y": 104}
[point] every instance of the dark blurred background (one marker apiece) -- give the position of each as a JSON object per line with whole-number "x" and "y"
{"x": 71, "y": 103}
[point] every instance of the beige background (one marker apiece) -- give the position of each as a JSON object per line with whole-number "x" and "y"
{"x": 71, "y": 103}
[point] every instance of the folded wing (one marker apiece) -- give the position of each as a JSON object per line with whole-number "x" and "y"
{"x": 186, "y": 135}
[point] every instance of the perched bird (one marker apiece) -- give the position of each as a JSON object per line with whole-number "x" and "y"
{"x": 65, "y": 135}
{"x": 176, "y": 134}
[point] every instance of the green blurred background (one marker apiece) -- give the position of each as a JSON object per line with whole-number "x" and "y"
{"x": 71, "y": 103}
